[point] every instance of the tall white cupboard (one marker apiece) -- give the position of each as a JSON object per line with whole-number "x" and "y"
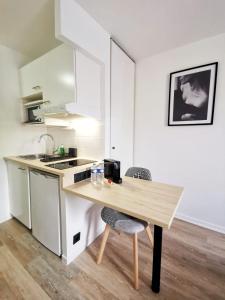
{"x": 122, "y": 107}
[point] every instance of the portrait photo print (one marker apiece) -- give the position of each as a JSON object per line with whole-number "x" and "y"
{"x": 192, "y": 95}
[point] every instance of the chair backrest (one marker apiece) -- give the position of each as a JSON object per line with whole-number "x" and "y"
{"x": 140, "y": 173}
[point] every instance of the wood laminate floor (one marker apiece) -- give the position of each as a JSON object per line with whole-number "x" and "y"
{"x": 193, "y": 267}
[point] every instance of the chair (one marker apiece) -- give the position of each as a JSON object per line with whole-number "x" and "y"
{"x": 122, "y": 222}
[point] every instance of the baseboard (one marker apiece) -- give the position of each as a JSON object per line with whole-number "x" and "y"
{"x": 201, "y": 223}
{"x": 64, "y": 260}
{"x": 5, "y": 219}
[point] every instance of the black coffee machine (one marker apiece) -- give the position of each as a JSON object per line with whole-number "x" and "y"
{"x": 112, "y": 170}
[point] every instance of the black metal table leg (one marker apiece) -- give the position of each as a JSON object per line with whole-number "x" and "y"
{"x": 157, "y": 252}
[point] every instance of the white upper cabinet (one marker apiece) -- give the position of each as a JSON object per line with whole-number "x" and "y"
{"x": 52, "y": 74}
{"x": 122, "y": 107}
{"x": 65, "y": 76}
{"x": 89, "y": 85}
{"x": 59, "y": 86}
{"x": 31, "y": 78}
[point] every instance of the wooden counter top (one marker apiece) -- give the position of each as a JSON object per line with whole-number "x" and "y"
{"x": 147, "y": 200}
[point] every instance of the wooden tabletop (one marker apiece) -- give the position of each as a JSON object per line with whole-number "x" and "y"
{"x": 151, "y": 201}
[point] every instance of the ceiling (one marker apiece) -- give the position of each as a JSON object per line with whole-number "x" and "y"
{"x": 28, "y": 26}
{"x": 142, "y": 27}
{"x": 147, "y": 27}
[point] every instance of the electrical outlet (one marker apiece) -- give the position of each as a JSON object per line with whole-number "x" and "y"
{"x": 76, "y": 238}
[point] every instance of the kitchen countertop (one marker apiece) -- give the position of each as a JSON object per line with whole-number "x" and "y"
{"x": 37, "y": 164}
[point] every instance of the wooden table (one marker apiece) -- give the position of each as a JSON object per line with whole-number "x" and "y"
{"x": 151, "y": 201}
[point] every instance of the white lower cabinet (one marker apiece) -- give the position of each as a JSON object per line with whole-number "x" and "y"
{"x": 19, "y": 194}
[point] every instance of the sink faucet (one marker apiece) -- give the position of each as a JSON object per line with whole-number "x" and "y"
{"x": 48, "y": 136}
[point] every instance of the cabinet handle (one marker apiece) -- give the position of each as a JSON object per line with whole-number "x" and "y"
{"x": 37, "y": 87}
{"x": 50, "y": 177}
{"x": 35, "y": 173}
{"x": 21, "y": 169}
{"x": 113, "y": 147}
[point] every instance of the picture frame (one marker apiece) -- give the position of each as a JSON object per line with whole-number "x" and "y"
{"x": 192, "y": 95}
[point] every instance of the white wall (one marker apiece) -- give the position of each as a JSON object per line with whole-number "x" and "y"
{"x": 190, "y": 156}
{"x": 87, "y": 136}
{"x": 61, "y": 137}
{"x": 14, "y": 137}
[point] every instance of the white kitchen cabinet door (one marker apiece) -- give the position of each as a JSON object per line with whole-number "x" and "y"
{"x": 89, "y": 86}
{"x": 19, "y": 195}
{"x": 54, "y": 73}
{"x": 66, "y": 76}
{"x": 31, "y": 78}
{"x": 59, "y": 75}
{"x": 122, "y": 107}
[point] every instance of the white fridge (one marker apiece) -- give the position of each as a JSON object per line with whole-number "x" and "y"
{"x": 45, "y": 209}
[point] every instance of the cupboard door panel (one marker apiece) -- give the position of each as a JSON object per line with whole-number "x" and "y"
{"x": 122, "y": 107}
{"x": 54, "y": 73}
{"x": 89, "y": 79}
{"x": 59, "y": 75}
{"x": 18, "y": 177}
{"x": 31, "y": 78}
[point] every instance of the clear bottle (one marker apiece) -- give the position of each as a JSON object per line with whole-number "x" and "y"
{"x": 94, "y": 174}
{"x": 100, "y": 173}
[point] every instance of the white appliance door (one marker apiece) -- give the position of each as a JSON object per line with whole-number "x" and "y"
{"x": 45, "y": 209}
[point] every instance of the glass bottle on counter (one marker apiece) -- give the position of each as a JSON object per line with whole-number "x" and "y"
{"x": 100, "y": 173}
{"x": 94, "y": 174}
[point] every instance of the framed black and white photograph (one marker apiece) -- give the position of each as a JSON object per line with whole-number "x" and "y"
{"x": 192, "y": 95}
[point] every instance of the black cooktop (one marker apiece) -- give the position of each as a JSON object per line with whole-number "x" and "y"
{"x": 70, "y": 164}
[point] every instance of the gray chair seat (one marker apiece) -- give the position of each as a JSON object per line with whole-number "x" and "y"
{"x": 122, "y": 222}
